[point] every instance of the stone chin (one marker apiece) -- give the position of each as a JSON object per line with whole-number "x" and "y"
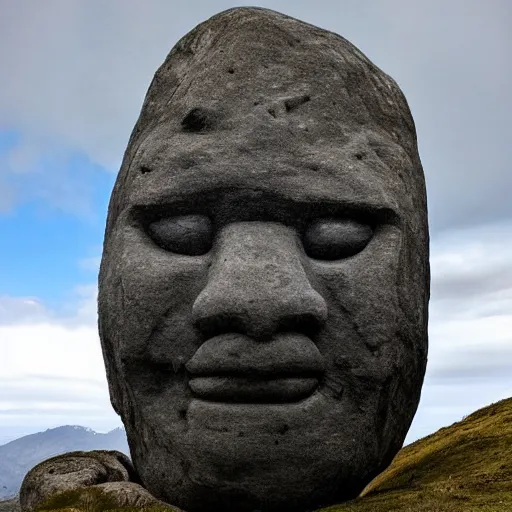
{"x": 271, "y": 457}
{"x": 264, "y": 283}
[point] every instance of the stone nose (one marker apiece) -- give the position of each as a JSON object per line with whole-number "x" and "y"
{"x": 257, "y": 284}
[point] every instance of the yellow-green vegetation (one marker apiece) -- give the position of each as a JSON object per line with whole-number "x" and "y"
{"x": 90, "y": 500}
{"x": 466, "y": 467}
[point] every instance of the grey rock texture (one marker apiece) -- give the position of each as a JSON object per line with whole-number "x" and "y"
{"x": 264, "y": 283}
{"x": 10, "y": 505}
{"x": 73, "y": 471}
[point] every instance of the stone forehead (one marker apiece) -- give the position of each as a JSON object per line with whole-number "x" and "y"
{"x": 270, "y": 88}
{"x": 246, "y": 57}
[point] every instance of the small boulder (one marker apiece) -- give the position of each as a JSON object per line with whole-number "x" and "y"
{"x": 72, "y": 471}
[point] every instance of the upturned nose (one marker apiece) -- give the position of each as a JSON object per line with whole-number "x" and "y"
{"x": 257, "y": 284}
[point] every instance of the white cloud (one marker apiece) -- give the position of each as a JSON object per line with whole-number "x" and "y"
{"x": 51, "y": 369}
{"x": 470, "y": 327}
{"x": 49, "y": 349}
{"x": 23, "y": 309}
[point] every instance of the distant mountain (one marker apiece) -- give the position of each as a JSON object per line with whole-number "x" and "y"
{"x": 22, "y": 454}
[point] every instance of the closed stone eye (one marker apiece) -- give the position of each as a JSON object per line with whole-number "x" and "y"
{"x": 336, "y": 238}
{"x": 190, "y": 235}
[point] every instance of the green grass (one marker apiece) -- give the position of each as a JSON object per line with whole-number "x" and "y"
{"x": 90, "y": 500}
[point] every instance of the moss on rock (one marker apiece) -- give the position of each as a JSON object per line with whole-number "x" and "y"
{"x": 93, "y": 499}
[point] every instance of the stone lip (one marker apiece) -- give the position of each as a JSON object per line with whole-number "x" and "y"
{"x": 240, "y": 390}
{"x": 233, "y": 367}
{"x": 285, "y": 354}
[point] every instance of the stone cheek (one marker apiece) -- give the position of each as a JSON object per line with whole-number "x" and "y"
{"x": 264, "y": 281}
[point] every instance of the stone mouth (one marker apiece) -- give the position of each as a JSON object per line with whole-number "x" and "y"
{"x": 253, "y": 390}
{"x": 286, "y": 354}
{"x": 233, "y": 367}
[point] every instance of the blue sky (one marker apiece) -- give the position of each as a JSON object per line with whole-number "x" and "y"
{"x": 50, "y": 241}
{"x": 76, "y": 72}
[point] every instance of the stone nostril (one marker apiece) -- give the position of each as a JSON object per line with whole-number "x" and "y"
{"x": 220, "y": 323}
{"x": 260, "y": 319}
{"x": 308, "y": 324}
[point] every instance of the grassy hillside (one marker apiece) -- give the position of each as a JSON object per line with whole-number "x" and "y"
{"x": 466, "y": 467}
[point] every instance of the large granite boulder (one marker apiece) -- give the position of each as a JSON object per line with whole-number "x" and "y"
{"x": 264, "y": 283}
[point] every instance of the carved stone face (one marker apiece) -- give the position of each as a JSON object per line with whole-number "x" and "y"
{"x": 264, "y": 283}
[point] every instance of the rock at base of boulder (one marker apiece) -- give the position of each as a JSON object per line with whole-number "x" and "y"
{"x": 72, "y": 471}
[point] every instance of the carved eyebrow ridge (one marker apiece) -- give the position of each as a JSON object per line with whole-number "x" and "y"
{"x": 205, "y": 201}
